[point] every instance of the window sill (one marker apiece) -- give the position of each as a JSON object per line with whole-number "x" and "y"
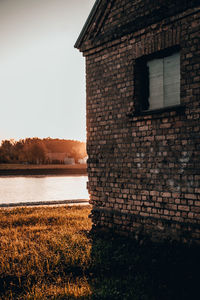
{"x": 160, "y": 112}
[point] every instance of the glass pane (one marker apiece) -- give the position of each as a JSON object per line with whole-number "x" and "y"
{"x": 155, "y": 83}
{"x": 172, "y": 80}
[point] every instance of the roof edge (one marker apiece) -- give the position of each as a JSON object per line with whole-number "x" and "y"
{"x": 87, "y": 24}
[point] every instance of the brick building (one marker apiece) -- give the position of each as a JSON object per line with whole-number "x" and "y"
{"x": 143, "y": 109}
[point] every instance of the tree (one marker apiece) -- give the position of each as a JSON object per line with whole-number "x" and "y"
{"x": 7, "y": 151}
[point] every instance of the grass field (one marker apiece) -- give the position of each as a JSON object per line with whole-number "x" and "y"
{"x": 49, "y": 253}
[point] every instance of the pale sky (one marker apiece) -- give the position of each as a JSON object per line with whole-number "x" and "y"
{"x": 42, "y": 75}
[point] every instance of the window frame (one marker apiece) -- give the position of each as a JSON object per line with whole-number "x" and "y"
{"x": 141, "y": 78}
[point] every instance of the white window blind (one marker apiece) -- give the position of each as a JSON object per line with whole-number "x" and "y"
{"x": 164, "y": 81}
{"x": 156, "y": 83}
{"x": 172, "y": 80}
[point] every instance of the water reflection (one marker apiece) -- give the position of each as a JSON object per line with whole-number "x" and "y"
{"x": 42, "y": 188}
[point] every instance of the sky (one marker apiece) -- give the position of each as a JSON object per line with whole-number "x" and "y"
{"x": 42, "y": 75}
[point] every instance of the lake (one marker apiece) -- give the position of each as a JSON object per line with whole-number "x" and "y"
{"x": 15, "y": 189}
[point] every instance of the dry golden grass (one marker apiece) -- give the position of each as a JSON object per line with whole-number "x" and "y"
{"x": 44, "y": 252}
{"x": 49, "y": 253}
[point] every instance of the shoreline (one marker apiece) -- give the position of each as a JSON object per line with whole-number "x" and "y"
{"x": 45, "y": 203}
{"x": 20, "y": 170}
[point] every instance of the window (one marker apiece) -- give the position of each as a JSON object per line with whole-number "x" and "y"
{"x": 164, "y": 81}
{"x": 159, "y": 79}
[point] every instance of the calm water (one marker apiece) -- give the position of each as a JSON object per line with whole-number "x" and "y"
{"x": 42, "y": 188}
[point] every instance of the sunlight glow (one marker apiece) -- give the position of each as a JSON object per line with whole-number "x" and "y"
{"x": 42, "y": 76}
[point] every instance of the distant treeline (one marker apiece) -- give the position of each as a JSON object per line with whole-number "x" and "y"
{"x": 35, "y": 150}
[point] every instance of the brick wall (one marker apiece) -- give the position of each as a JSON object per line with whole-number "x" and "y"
{"x": 144, "y": 170}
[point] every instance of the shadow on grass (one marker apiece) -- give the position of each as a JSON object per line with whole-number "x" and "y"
{"x": 125, "y": 269}
{"x": 115, "y": 268}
